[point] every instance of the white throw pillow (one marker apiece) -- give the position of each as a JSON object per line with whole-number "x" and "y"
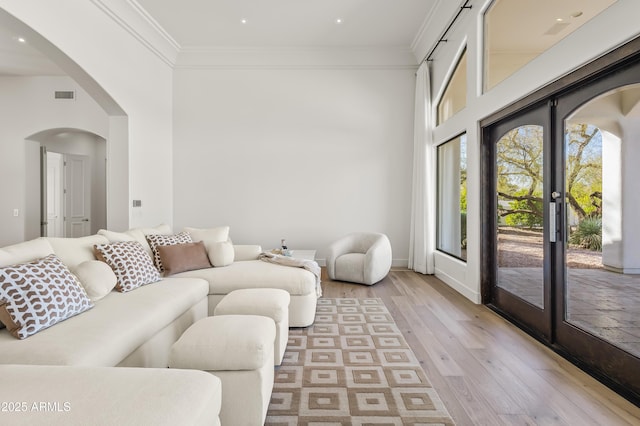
{"x": 134, "y": 234}
{"x": 220, "y": 253}
{"x": 217, "y": 242}
{"x": 163, "y": 229}
{"x": 210, "y": 235}
{"x": 74, "y": 251}
{"x": 97, "y": 278}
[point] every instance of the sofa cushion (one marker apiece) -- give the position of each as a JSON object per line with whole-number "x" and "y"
{"x": 74, "y": 251}
{"x": 39, "y": 294}
{"x": 221, "y": 253}
{"x": 130, "y": 235}
{"x": 135, "y": 234}
{"x": 156, "y": 240}
{"x": 256, "y": 274}
{"x": 109, "y": 332}
{"x": 130, "y": 262}
{"x": 25, "y": 252}
{"x": 209, "y": 235}
{"x": 96, "y": 277}
{"x": 110, "y": 396}
{"x": 163, "y": 229}
{"x": 247, "y": 341}
{"x": 183, "y": 257}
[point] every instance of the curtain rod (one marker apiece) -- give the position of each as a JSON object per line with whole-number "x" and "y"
{"x": 442, "y": 39}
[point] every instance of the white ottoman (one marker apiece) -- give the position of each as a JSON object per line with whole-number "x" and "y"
{"x": 238, "y": 349}
{"x": 268, "y": 302}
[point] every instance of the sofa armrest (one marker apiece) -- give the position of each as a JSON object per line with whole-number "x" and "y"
{"x": 246, "y": 251}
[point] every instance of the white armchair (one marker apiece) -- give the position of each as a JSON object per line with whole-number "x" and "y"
{"x": 359, "y": 257}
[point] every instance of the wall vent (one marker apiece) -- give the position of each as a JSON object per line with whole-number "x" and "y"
{"x": 65, "y": 94}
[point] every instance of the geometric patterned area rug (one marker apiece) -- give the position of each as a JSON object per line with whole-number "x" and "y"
{"x": 352, "y": 367}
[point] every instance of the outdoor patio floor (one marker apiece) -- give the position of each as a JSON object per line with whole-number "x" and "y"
{"x": 604, "y": 303}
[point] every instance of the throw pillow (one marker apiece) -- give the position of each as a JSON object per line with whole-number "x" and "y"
{"x": 39, "y": 294}
{"x": 130, "y": 262}
{"x": 183, "y": 257}
{"x": 25, "y": 252}
{"x": 163, "y": 229}
{"x": 221, "y": 253}
{"x": 96, "y": 277}
{"x": 156, "y": 240}
{"x": 210, "y": 235}
{"x": 130, "y": 235}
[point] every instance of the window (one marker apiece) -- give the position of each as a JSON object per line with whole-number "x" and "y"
{"x": 454, "y": 97}
{"x": 452, "y": 197}
{"x": 516, "y": 32}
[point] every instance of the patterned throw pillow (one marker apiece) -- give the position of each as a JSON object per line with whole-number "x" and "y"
{"x": 130, "y": 262}
{"x": 39, "y": 294}
{"x": 156, "y": 240}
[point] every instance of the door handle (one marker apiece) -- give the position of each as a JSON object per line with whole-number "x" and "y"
{"x": 553, "y": 222}
{"x": 85, "y": 220}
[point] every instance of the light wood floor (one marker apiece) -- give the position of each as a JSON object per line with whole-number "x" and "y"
{"x": 486, "y": 370}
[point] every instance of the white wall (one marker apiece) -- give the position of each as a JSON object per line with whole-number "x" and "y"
{"x": 122, "y": 65}
{"x": 27, "y": 106}
{"x": 614, "y": 26}
{"x": 302, "y": 153}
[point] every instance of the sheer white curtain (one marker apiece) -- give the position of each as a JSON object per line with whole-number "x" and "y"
{"x": 422, "y": 241}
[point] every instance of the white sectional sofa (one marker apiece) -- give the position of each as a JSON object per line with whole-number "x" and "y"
{"x": 53, "y": 395}
{"x": 138, "y": 328}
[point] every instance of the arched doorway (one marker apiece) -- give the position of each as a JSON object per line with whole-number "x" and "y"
{"x": 72, "y": 187}
{"x": 16, "y": 195}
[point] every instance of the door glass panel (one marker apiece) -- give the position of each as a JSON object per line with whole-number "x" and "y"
{"x": 519, "y": 172}
{"x": 602, "y": 260}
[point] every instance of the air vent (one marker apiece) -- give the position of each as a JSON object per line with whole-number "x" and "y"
{"x": 65, "y": 94}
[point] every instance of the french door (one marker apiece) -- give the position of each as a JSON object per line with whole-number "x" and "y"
{"x": 520, "y": 177}
{"x": 563, "y": 238}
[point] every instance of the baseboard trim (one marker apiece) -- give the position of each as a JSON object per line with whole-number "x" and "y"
{"x": 473, "y": 296}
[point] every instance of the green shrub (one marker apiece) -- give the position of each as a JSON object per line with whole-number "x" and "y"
{"x": 588, "y": 234}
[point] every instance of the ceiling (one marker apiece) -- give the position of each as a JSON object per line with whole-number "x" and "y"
{"x": 297, "y": 23}
{"x": 268, "y": 23}
{"x": 19, "y": 58}
{"x": 314, "y": 23}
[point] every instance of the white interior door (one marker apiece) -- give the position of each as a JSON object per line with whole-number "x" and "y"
{"x": 55, "y": 195}
{"x": 77, "y": 191}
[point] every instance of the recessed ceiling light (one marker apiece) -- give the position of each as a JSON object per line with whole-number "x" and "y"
{"x": 339, "y": 21}
{"x": 576, "y": 14}
{"x": 244, "y": 21}
{"x": 559, "y": 19}
{"x": 21, "y": 39}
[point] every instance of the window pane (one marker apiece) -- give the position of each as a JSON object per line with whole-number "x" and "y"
{"x": 515, "y": 32}
{"x": 454, "y": 97}
{"x": 452, "y": 197}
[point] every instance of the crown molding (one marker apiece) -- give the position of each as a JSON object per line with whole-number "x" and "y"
{"x": 134, "y": 19}
{"x": 426, "y": 24}
{"x": 432, "y": 29}
{"x": 296, "y": 57}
